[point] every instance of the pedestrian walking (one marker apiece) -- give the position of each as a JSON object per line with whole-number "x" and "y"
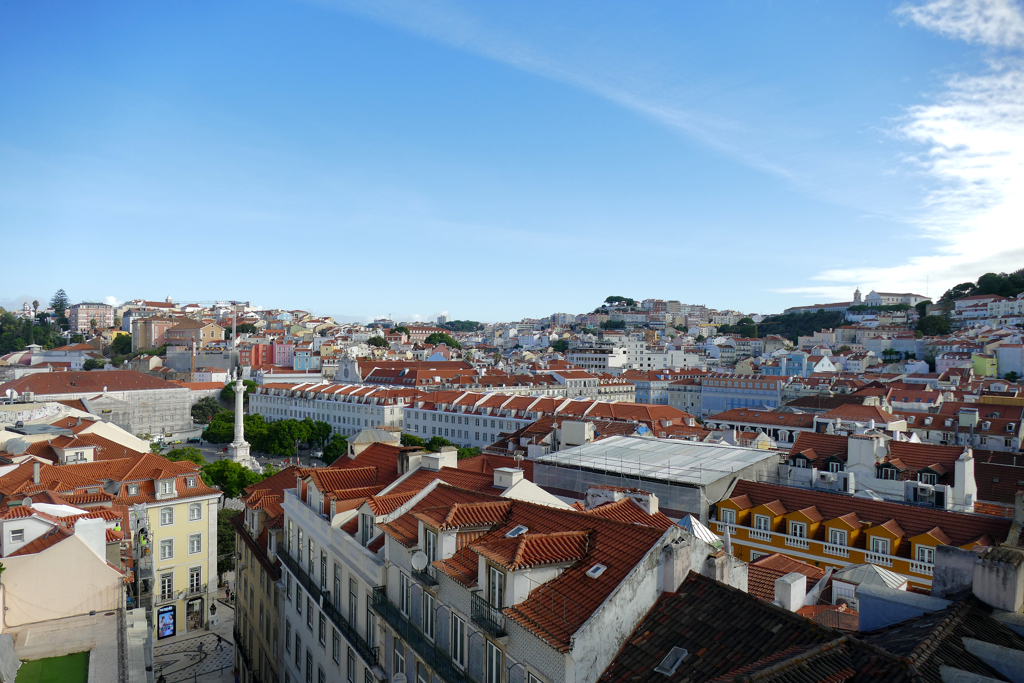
{"x": 200, "y": 649}
{"x": 220, "y": 642}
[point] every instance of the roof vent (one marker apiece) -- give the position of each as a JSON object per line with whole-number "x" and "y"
{"x": 596, "y": 571}
{"x": 672, "y": 661}
{"x": 519, "y": 530}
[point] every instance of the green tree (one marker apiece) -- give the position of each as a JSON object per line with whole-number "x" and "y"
{"x": 379, "y": 342}
{"x": 60, "y": 304}
{"x": 226, "y": 540}
{"x": 401, "y": 329}
{"x": 122, "y": 345}
{"x": 336, "y": 448}
{"x": 221, "y": 428}
{"x": 922, "y": 308}
{"x": 412, "y": 440}
{"x": 227, "y": 394}
{"x": 230, "y": 477}
{"x": 442, "y": 338}
{"x": 204, "y": 409}
{"x": 462, "y": 326}
{"x": 1011, "y": 377}
{"x": 319, "y": 433}
{"x": 890, "y": 355}
{"x": 932, "y": 325}
{"x": 243, "y": 328}
{"x": 624, "y": 300}
{"x": 560, "y": 345}
{"x": 843, "y": 349}
{"x": 186, "y": 453}
{"x": 94, "y": 364}
{"x": 613, "y": 325}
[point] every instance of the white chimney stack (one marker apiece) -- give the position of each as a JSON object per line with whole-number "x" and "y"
{"x": 790, "y": 591}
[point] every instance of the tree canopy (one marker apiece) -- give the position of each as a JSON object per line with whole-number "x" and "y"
{"x": 401, "y": 329}
{"x": 613, "y": 325}
{"x": 16, "y": 333}
{"x": 560, "y": 345}
{"x": 186, "y": 453}
{"x": 335, "y": 448}
{"x": 227, "y": 394}
{"x": 379, "y": 342}
{"x": 122, "y": 345}
{"x": 623, "y": 300}
{"x": 999, "y": 284}
{"x": 204, "y": 409}
{"x": 60, "y": 303}
{"x": 442, "y": 338}
{"x": 932, "y": 325}
{"x": 462, "y": 326}
{"x": 435, "y": 443}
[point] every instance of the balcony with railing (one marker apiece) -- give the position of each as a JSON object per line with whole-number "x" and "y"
{"x": 487, "y": 617}
{"x": 426, "y": 577}
{"x": 370, "y": 655}
{"x": 723, "y": 526}
{"x": 759, "y": 535}
{"x": 879, "y": 559}
{"x": 798, "y": 542}
{"x": 195, "y": 589}
{"x": 835, "y": 549}
{"x": 240, "y": 646}
{"x": 435, "y": 657}
{"x": 926, "y": 568}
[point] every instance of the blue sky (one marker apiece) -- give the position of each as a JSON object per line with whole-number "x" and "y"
{"x": 501, "y": 160}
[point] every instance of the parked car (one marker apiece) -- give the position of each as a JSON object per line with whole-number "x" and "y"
{"x": 194, "y": 440}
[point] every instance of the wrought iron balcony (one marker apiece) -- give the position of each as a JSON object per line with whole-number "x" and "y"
{"x": 370, "y": 655}
{"x": 437, "y": 658}
{"x": 487, "y": 617}
{"x": 240, "y": 646}
{"x": 196, "y": 590}
{"x": 426, "y": 577}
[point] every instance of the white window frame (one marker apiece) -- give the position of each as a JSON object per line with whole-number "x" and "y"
{"x": 925, "y": 553}
{"x": 166, "y": 487}
{"x": 837, "y": 536}
{"x": 167, "y": 543}
{"x": 797, "y": 526}
{"x": 405, "y": 593}
{"x": 196, "y": 508}
{"x": 762, "y": 522}
{"x": 197, "y": 539}
{"x": 458, "y": 641}
{"x": 17, "y": 535}
{"x": 879, "y": 545}
{"x": 728, "y": 515}
{"x": 494, "y": 664}
{"x": 167, "y": 516}
{"x": 429, "y": 615}
{"x": 398, "y": 662}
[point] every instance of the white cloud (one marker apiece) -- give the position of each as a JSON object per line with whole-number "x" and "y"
{"x": 970, "y": 143}
{"x": 992, "y": 22}
{"x": 112, "y": 301}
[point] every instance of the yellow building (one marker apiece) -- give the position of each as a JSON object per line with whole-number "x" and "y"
{"x": 984, "y": 364}
{"x": 174, "y": 521}
{"x": 835, "y": 530}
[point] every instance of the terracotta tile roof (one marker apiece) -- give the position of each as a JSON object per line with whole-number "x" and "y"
{"x": 935, "y": 640}
{"x": 328, "y": 479}
{"x": 530, "y": 550}
{"x": 998, "y": 476}
{"x": 47, "y": 540}
{"x": 839, "y": 617}
{"x": 629, "y": 511}
{"x": 961, "y": 528}
{"x": 47, "y": 383}
{"x": 721, "y": 628}
{"x": 490, "y": 462}
{"x": 823, "y": 445}
{"x": 763, "y": 417}
{"x": 762, "y": 574}
{"x": 465, "y": 515}
{"x": 617, "y": 545}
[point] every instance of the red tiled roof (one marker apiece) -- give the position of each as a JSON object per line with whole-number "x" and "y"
{"x": 629, "y": 511}
{"x": 961, "y": 528}
{"x": 530, "y": 550}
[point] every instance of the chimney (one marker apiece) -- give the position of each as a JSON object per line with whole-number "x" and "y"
{"x": 790, "y": 591}
{"x": 507, "y": 477}
{"x": 999, "y": 578}
{"x": 35, "y": 472}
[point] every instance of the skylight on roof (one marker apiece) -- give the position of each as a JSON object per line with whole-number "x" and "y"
{"x": 596, "y": 571}
{"x": 672, "y": 661}
{"x": 519, "y": 530}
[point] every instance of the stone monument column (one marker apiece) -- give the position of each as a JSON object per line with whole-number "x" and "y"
{"x": 239, "y": 448}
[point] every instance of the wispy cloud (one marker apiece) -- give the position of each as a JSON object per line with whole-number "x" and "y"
{"x": 440, "y": 21}
{"x": 970, "y": 143}
{"x": 992, "y": 22}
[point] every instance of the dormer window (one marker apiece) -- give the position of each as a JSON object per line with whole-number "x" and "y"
{"x": 190, "y": 482}
{"x": 133, "y": 489}
{"x": 928, "y": 478}
{"x": 167, "y": 487}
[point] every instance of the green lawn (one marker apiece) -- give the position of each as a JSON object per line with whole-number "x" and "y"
{"x": 67, "y": 669}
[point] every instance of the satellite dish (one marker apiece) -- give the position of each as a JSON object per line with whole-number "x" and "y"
{"x": 27, "y": 501}
{"x": 419, "y": 560}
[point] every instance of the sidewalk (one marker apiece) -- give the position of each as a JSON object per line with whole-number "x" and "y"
{"x": 181, "y": 659}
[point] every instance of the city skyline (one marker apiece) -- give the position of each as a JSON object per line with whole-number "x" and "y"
{"x": 528, "y": 147}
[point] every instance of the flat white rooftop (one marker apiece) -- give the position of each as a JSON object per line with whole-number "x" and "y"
{"x": 672, "y": 460}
